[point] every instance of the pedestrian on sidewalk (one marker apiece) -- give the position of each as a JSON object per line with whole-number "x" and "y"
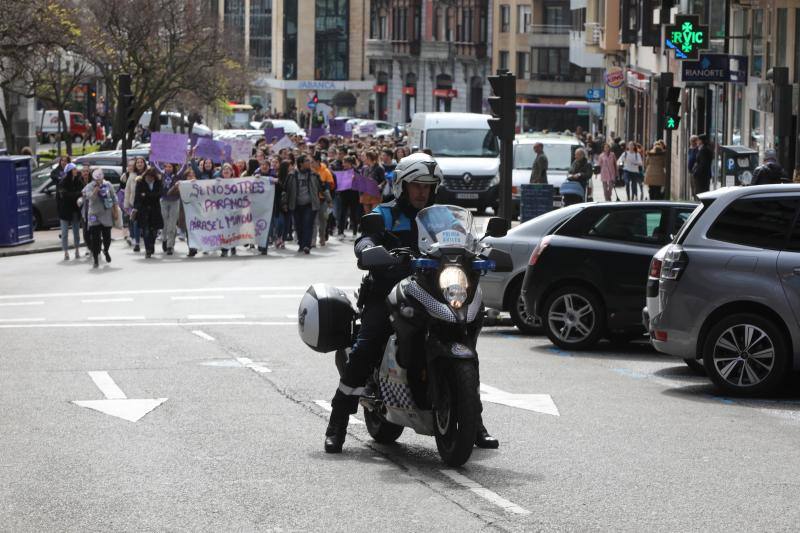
{"x": 57, "y": 173}
{"x": 655, "y": 174}
{"x": 769, "y": 172}
{"x": 68, "y": 191}
{"x": 539, "y": 167}
{"x": 631, "y": 163}
{"x": 608, "y": 171}
{"x": 701, "y": 171}
{"x": 147, "y": 208}
{"x": 100, "y": 196}
{"x": 573, "y": 190}
{"x": 139, "y": 168}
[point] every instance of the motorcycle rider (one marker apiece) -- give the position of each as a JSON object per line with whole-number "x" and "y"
{"x": 416, "y": 179}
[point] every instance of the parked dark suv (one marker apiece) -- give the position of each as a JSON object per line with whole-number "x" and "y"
{"x": 587, "y": 280}
{"x": 729, "y": 288}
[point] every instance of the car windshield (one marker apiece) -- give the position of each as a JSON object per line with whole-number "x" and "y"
{"x": 559, "y": 156}
{"x": 462, "y": 143}
{"x": 445, "y": 226}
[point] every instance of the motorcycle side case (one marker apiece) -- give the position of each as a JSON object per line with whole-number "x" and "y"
{"x": 397, "y": 397}
{"x": 326, "y": 319}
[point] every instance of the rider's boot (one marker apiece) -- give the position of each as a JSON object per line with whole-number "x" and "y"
{"x": 483, "y": 439}
{"x": 342, "y": 406}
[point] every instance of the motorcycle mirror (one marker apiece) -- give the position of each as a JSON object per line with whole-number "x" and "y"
{"x": 497, "y": 227}
{"x": 502, "y": 260}
{"x": 372, "y": 224}
{"x": 377, "y": 257}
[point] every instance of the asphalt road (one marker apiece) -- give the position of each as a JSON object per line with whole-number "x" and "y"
{"x": 638, "y": 443}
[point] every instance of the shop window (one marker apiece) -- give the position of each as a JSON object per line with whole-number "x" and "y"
{"x": 505, "y": 18}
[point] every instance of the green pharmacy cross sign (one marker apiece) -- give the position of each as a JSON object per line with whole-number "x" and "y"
{"x": 687, "y": 37}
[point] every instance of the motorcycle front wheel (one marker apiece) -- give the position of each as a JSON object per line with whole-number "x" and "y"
{"x": 379, "y": 429}
{"x": 457, "y": 411}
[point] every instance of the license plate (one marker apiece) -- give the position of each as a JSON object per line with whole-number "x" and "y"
{"x": 467, "y": 195}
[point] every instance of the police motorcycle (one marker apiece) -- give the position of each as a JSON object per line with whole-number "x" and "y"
{"x": 428, "y": 376}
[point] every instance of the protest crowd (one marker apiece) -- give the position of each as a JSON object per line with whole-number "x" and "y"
{"x": 316, "y": 190}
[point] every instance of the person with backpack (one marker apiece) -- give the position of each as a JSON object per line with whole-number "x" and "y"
{"x": 769, "y": 172}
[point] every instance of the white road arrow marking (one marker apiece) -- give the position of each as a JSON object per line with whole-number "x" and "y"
{"x": 541, "y": 403}
{"x": 116, "y": 403}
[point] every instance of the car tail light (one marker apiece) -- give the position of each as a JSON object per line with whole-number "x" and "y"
{"x": 537, "y": 252}
{"x": 675, "y": 262}
{"x": 514, "y": 190}
{"x": 660, "y": 335}
{"x": 655, "y": 268}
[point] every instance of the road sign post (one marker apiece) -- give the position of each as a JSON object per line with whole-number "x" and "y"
{"x": 503, "y": 125}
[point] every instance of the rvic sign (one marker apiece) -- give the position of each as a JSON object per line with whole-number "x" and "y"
{"x": 687, "y": 37}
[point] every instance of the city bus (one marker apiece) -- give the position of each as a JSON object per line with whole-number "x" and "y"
{"x": 553, "y": 117}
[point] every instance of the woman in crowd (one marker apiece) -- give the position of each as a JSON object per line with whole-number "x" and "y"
{"x": 147, "y": 208}
{"x": 608, "y": 171}
{"x": 631, "y": 162}
{"x": 188, "y": 175}
{"x": 303, "y": 196}
{"x": 374, "y": 171}
{"x": 139, "y": 168}
{"x": 350, "y": 206}
{"x": 226, "y": 172}
{"x": 68, "y": 191}
{"x": 102, "y": 201}
{"x": 204, "y": 170}
{"x": 573, "y": 191}
{"x": 655, "y": 174}
{"x": 170, "y": 205}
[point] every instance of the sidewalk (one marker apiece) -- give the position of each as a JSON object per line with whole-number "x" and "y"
{"x": 48, "y": 241}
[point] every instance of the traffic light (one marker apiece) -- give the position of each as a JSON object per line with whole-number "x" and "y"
{"x": 503, "y": 105}
{"x": 672, "y": 108}
{"x": 126, "y": 104}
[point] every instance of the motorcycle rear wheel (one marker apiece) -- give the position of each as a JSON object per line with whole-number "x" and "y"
{"x": 457, "y": 412}
{"x": 380, "y": 429}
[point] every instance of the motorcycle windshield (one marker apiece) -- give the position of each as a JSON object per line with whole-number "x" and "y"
{"x": 446, "y": 226}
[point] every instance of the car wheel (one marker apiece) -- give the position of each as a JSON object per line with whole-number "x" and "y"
{"x": 523, "y": 320}
{"x": 696, "y": 365}
{"x": 746, "y": 354}
{"x": 573, "y": 318}
{"x": 37, "y": 221}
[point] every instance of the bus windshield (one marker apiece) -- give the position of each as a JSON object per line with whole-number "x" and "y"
{"x": 462, "y": 143}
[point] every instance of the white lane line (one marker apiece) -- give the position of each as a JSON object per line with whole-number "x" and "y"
{"x": 220, "y": 297}
{"x": 203, "y": 335}
{"x": 248, "y": 363}
{"x": 292, "y": 316}
{"x": 130, "y": 324}
{"x": 106, "y": 300}
{"x": 115, "y": 318}
{"x": 160, "y": 291}
{"x": 327, "y": 406}
{"x": 485, "y": 493}
{"x": 107, "y": 386}
{"x": 9, "y": 304}
{"x": 281, "y": 296}
{"x": 215, "y": 317}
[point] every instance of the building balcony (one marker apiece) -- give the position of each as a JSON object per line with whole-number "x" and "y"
{"x": 378, "y": 49}
{"x": 406, "y": 48}
{"x": 583, "y": 55}
{"x": 593, "y": 35}
{"x": 437, "y": 50}
{"x": 548, "y": 36}
{"x": 553, "y": 85}
{"x": 470, "y": 50}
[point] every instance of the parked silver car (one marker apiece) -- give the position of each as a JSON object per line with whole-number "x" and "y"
{"x": 501, "y": 291}
{"x": 729, "y": 288}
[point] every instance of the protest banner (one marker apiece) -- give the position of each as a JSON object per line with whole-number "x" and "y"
{"x": 273, "y": 133}
{"x": 241, "y": 149}
{"x": 168, "y": 147}
{"x": 315, "y": 133}
{"x": 367, "y": 185}
{"x": 368, "y": 129}
{"x": 344, "y": 179}
{"x": 285, "y": 142}
{"x": 341, "y": 127}
{"x": 227, "y": 213}
{"x": 210, "y": 149}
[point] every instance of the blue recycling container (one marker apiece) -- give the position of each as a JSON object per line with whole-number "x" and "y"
{"x": 16, "y": 211}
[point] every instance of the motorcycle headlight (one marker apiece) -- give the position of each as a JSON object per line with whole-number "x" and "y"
{"x": 454, "y": 284}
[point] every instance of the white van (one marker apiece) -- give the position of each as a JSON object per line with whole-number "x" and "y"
{"x": 560, "y": 151}
{"x": 468, "y": 153}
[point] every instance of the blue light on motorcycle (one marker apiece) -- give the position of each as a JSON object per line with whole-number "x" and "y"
{"x": 484, "y": 264}
{"x": 422, "y": 264}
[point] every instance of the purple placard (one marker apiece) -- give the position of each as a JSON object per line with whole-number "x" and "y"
{"x": 344, "y": 179}
{"x": 228, "y": 153}
{"x": 193, "y": 138}
{"x": 366, "y": 185}
{"x": 315, "y": 133}
{"x": 210, "y": 149}
{"x": 168, "y": 147}
{"x": 270, "y": 133}
{"x": 339, "y": 127}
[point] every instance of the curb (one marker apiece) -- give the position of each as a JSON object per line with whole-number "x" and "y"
{"x": 28, "y": 251}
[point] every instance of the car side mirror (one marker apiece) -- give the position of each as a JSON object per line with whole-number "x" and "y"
{"x": 372, "y": 224}
{"x": 377, "y": 257}
{"x": 502, "y": 260}
{"x": 497, "y": 227}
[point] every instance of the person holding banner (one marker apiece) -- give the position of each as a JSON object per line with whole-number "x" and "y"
{"x": 188, "y": 175}
{"x": 147, "y": 208}
{"x": 303, "y": 189}
{"x": 226, "y": 172}
{"x": 170, "y": 205}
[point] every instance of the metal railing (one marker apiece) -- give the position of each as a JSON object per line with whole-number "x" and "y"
{"x": 548, "y": 29}
{"x": 594, "y": 33}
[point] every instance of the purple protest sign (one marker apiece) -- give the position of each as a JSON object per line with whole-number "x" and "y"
{"x": 228, "y": 153}
{"x": 193, "y": 138}
{"x": 168, "y": 147}
{"x": 341, "y": 128}
{"x": 315, "y": 133}
{"x": 344, "y": 179}
{"x": 210, "y": 149}
{"x": 273, "y": 133}
{"x": 366, "y": 185}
